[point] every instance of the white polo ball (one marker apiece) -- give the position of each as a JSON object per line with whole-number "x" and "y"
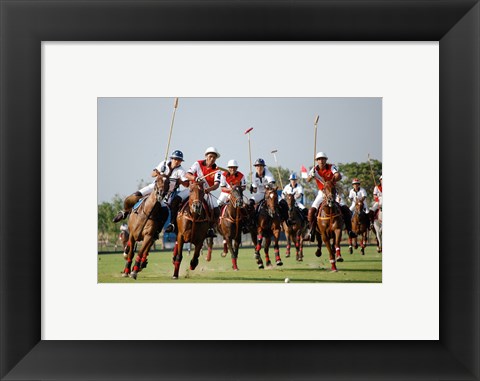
{"x": 287, "y": 280}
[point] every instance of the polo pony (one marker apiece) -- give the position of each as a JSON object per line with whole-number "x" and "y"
{"x": 231, "y": 223}
{"x": 295, "y": 227}
{"x": 145, "y": 224}
{"x": 330, "y": 223}
{"x": 268, "y": 225}
{"x": 193, "y": 223}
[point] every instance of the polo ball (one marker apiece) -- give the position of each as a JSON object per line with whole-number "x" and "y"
{"x": 287, "y": 280}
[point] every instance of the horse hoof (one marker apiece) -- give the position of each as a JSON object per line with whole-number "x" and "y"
{"x": 350, "y": 250}
{"x": 125, "y": 255}
{"x": 334, "y": 271}
{"x": 318, "y": 253}
{"x": 235, "y": 268}
{"x": 287, "y": 255}
{"x": 124, "y": 275}
{"x": 175, "y": 277}
{"x": 260, "y": 266}
{"x": 339, "y": 259}
{"x": 133, "y": 275}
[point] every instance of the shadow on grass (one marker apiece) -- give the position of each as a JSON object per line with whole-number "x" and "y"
{"x": 276, "y": 280}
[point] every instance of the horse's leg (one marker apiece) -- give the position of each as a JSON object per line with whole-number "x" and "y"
{"x": 350, "y": 248}
{"x": 287, "y": 249}
{"x": 300, "y": 245}
{"x": 338, "y": 238}
{"x": 177, "y": 256}
{"x": 209, "y": 249}
{"x": 318, "y": 252}
{"x": 128, "y": 260}
{"x": 196, "y": 255}
{"x": 234, "y": 251}
{"x": 141, "y": 259}
{"x": 363, "y": 243}
{"x": 326, "y": 241}
{"x": 225, "y": 247}
{"x": 258, "y": 247}
{"x": 266, "y": 248}
{"x": 276, "y": 246}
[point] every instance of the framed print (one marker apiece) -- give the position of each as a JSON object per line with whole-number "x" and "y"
{"x": 24, "y": 355}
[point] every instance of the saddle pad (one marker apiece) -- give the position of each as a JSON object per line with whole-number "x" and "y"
{"x": 137, "y": 205}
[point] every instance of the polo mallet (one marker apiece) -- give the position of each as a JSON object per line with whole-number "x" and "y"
{"x": 278, "y": 169}
{"x": 315, "y": 140}
{"x": 250, "y": 153}
{"x": 171, "y": 129}
{"x": 371, "y": 170}
{"x": 213, "y": 173}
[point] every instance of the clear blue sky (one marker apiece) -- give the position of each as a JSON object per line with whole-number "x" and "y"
{"x": 133, "y": 133}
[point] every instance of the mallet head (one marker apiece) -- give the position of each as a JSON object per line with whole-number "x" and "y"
{"x": 250, "y": 129}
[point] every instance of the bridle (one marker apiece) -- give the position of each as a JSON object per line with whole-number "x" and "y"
{"x": 236, "y": 197}
{"x": 160, "y": 192}
{"x": 271, "y": 201}
{"x": 196, "y": 205}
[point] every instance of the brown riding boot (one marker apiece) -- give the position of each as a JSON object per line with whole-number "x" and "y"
{"x": 312, "y": 213}
{"x": 128, "y": 204}
{"x": 174, "y": 207}
{"x": 213, "y": 224}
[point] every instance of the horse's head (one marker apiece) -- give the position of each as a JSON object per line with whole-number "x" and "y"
{"x": 236, "y": 196}
{"x": 195, "y": 199}
{"x": 359, "y": 205}
{"x": 271, "y": 198}
{"x": 330, "y": 193}
{"x": 161, "y": 187}
{"x": 290, "y": 199}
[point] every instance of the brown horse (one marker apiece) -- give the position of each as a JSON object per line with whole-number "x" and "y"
{"x": 193, "y": 223}
{"x": 268, "y": 224}
{"x": 144, "y": 225}
{"x": 295, "y": 228}
{"x": 231, "y": 223}
{"x": 330, "y": 223}
{"x": 360, "y": 224}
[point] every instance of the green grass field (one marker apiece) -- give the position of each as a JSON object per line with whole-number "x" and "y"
{"x": 355, "y": 269}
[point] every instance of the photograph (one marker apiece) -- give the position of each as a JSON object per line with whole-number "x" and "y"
{"x": 207, "y": 190}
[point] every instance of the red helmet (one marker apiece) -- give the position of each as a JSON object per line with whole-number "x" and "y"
{"x": 355, "y": 181}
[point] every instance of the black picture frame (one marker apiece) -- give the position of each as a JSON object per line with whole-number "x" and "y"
{"x": 25, "y": 24}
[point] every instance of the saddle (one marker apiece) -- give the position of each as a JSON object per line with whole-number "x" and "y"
{"x": 137, "y": 204}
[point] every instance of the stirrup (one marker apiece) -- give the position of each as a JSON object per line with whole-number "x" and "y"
{"x": 170, "y": 228}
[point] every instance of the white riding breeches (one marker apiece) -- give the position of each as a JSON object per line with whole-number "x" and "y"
{"x": 257, "y": 197}
{"x": 318, "y": 200}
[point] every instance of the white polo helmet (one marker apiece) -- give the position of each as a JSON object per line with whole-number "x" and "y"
{"x": 320, "y": 155}
{"x": 355, "y": 181}
{"x": 381, "y": 177}
{"x": 212, "y": 150}
{"x": 232, "y": 163}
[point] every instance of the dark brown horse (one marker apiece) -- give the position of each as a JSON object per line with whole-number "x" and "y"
{"x": 360, "y": 224}
{"x": 193, "y": 223}
{"x": 330, "y": 223}
{"x": 268, "y": 224}
{"x": 295, "y": 227}
{"x": 231, "y": 222}
{"x": 144, "y": 225}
